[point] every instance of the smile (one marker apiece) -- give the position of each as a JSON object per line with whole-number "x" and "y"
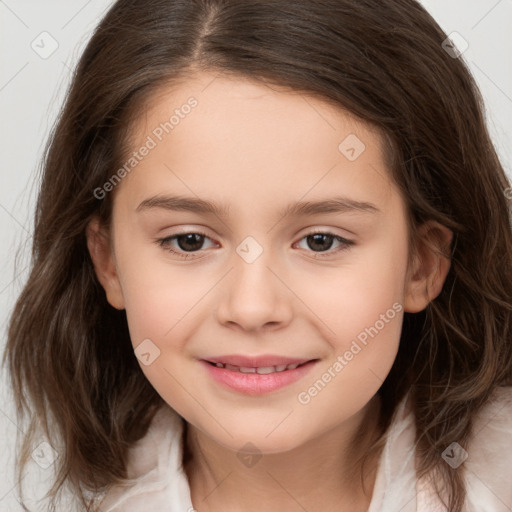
{"x": 263, "y": 370}
{"x": 257, "y": 380}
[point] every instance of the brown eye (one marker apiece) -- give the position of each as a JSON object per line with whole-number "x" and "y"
{"x": 184, "y": 245}
{"x": 320, "y": 242}
{"x": 190, "y": 241}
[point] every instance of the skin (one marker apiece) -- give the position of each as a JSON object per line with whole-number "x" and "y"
{"x": 258, "y": 148}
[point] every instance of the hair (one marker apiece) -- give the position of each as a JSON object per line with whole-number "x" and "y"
{"x": 69, "y": 355}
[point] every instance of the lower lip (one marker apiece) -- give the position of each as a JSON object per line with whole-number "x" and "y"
{"x": 254, "y": 383}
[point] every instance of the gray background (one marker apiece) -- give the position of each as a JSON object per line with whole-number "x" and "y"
{"x": 32, "y": 88}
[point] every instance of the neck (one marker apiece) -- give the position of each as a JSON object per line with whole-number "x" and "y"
{"x": 325, "y": 473}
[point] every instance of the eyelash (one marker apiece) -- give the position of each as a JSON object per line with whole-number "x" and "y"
{"x": 346, "y": 244}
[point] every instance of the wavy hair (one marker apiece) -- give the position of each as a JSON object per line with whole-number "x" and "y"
{"x": 70, "y": 360}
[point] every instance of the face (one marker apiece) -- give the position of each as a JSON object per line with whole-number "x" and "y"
{"x": 260, "y": 276}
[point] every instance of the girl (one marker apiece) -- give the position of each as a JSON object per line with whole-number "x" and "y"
{"x": 186, "y": 342}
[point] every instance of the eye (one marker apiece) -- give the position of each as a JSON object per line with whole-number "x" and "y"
{"x": 187, "y": 243}
{"x": 321, "y": 242}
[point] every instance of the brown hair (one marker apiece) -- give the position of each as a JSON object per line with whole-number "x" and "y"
{"x": 69, "y": 354}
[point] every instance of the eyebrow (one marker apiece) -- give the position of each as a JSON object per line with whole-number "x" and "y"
{"x": 193, "y": 204}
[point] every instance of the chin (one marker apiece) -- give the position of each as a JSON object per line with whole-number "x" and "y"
{"x": 258, "y": 442}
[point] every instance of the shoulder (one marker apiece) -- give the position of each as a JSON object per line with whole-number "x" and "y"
{"x": 163, "y": 437}
{"x": 489, "y": 455}
{"x": 156, "y": 480}
{"x": 485, "y": 462}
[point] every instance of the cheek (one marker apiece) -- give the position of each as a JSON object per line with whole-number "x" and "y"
{"x": 351, "y": 297}
{"x": 161, "y": 308}
{"x": 157, "y": 293}
{"x": 361, "y": 315}
{"x": 159, "y": 302}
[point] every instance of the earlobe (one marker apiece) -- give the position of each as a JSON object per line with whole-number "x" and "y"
{"x": 431, "y": 264}
{"x": 98, "y": 243}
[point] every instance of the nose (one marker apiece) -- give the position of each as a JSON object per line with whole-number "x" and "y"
{"x": 254, "y": 296}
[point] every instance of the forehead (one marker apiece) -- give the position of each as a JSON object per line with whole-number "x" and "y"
{"x": 259, "y": 140}
{"x": 222, "y": 100}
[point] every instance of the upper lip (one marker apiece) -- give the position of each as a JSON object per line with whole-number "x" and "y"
{"x": 256, "y": 361}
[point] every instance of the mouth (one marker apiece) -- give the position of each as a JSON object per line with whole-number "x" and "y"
{"x": 257, "y": 376}
{"x": 261, "y": 370}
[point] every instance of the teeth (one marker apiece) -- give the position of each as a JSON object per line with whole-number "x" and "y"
{"x": 247, "y": 370}
{"x": 264, "y": 370}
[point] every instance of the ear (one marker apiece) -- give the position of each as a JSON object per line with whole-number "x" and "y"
{"x": 102, "y": 255}
{"x": 429, "y": 268}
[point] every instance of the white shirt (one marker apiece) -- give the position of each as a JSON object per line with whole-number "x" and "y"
{"x": 160, "y": 484}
